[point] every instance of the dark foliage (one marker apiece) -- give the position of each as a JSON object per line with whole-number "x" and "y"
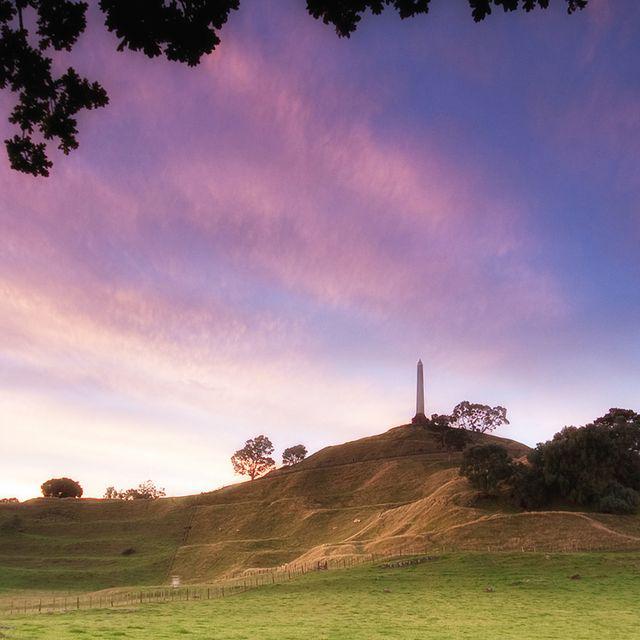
{"x": 478, "y": 417}
{"x": 9, "y": 501}
{"x": 293, "y": 455}
{"x": 583, "y": 464}
{"x": 47, "y": 105}
{"x": 182, "y": 31}
{"x": 254, "y": 459}
{"x": 31, "y": 31}
{"x": 619, "y": 499}
{"x": 61, "y": 488}
{"x": 345, "y": 15}
{"x": 486, "y": 466}
{"x": 455, "y": 439}
{"x": 527, "y": 488}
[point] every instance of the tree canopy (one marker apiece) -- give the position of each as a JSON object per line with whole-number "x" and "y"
{"x": 595, "y": 466}
{"x": 478, "y": 417}
{"x": 61, "y": 488}
{"x": 294, "y": 455}
{"x": 32, "y": 31}
{"x": 254, "y": 459}
{"x": 486, "y": 466}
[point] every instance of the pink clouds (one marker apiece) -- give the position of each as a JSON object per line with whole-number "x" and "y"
{"x": 274, "y": 238}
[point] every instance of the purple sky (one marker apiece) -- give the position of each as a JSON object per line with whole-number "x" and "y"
{"x": 267, "y": 243}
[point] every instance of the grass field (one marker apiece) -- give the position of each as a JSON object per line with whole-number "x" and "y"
{"x": 463, "y": 595}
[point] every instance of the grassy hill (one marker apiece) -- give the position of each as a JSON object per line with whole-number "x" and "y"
{"x": 379, "y": 494}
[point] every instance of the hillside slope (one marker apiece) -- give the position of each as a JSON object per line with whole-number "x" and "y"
{"x": 383, "y": 493}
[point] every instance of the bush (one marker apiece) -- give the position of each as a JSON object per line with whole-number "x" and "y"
{"x": 9, "y": 501}
{"x": 455, "y": 439}
{"x": 486, "y": 466}
{"x": 619, "y": 499}
{"x": 61, "y": 488}
{"x": 527, "y": 488}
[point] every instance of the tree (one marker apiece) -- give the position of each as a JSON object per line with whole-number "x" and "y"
{"x": 486, "y": 466}
{"x": 144, "y": 491}
{"x": 455, "y": 439}
{"x": 527, "y": 488}
{"x": 61, "y": 488}
{"x": 586, "y": 464}
{"x": 9, "y": 500}
{"x": 111, "y": 493}
{"x": 254, "y": 459}
{"x": 478, "y": 417}
{"x": 32, "y": 31}
{"x": 293, "y": 455}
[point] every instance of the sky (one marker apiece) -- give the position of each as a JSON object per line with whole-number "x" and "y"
{"x": 267, "y": 243}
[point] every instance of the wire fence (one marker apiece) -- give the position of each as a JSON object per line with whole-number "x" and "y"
{"x": 252, "y": 579}
{"x": 218, "y": 589}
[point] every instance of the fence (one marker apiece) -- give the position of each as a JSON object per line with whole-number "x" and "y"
{"x": 218, "y": 589}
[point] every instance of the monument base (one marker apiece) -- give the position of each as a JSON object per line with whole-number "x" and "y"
{"x": 419, "y": 418}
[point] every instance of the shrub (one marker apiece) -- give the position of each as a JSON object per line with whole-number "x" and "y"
{"x": 619, "y": 499}
{"x": 527, "y": 488}
{"x": 455, "y": 439}
{"x": 486, "y": 466}
{"x": 61, "y": 488}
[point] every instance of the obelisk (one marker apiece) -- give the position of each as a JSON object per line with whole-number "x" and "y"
{"x": 420, "y": 417}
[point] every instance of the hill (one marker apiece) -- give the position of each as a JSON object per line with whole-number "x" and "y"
{"x": 379, "y": 494}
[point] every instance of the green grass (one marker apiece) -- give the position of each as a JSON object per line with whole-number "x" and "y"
{"x": 531, "y": 596}
{"x": 71, "y": 545}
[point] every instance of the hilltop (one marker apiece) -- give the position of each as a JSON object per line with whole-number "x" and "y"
{"x": 379, "y": 494}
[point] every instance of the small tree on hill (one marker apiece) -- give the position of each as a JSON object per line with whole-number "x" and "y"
{"x": 478, "y": 417}
{"x": 144, "y": 491}
{"x": 293, "y": 455}
{"x": 254, "y": 459}
{"x": 486, "y": 466}
{"x": 61, "y": 488}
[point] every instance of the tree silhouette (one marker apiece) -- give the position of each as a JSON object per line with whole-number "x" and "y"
{"x": 254, "y": 459}
{"x": 180, "y": 30}
{"x": 61, "y": 488}
{"x": 293, "y": 455}
{"x": 478, "y": 417}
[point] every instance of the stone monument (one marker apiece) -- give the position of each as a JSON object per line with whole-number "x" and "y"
{"x": 420, "y": 417}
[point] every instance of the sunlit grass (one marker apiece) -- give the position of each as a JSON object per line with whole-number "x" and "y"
{"x": 477, "y": 596}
